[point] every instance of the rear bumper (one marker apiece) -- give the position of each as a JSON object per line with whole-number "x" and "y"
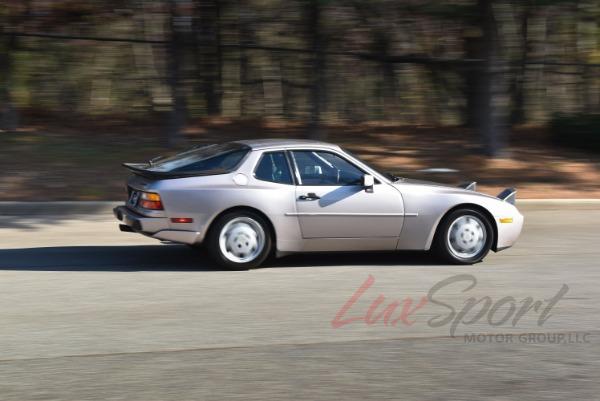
{"x": 155, "y": 227}
{"x": 139, "y": 223}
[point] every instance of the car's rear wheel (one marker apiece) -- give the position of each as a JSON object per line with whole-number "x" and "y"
{"x": 240, "y": 240}
{"x": 465, "y": 236}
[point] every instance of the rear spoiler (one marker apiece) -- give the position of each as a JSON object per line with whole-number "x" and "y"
{"x": 142, "y": 170}
{"x": 508, "y": 195}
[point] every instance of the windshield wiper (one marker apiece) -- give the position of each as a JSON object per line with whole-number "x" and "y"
{"x": 394, "y": 178}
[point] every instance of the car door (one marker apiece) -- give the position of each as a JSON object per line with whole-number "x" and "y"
{"x": 331, "y": 201}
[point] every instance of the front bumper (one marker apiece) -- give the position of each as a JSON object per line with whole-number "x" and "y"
{"x": 155, "y": 227}
{"x": 508, "y": 233}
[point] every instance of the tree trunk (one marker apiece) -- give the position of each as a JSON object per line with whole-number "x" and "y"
{"x": 9, "y": 119}
{"x": 389, "y": 84}
{"x": 491, "y": 127}
{"x": 208, "y": 53}
{"x": 246, "y": 39}
{"x": 178, "y": 111}
{"x": 471, "y": 81}
{"x": 318, "y": 84}
{"x": 518, "y": 82}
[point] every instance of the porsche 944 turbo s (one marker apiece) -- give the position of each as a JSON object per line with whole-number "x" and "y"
{"x": 244, "y": 201}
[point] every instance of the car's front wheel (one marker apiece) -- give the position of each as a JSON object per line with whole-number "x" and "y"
{"x": 239, "y": 240}
{"x": 465, "y": 236}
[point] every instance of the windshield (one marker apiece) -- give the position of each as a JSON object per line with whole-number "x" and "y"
{"x": 389, "y": 176}
{"x": 223, "y": 157}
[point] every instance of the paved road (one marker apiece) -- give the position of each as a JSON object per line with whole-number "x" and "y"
{"x": 89, "y": 313}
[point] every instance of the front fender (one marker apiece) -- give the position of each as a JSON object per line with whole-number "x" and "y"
{"x": 425, "y": 207}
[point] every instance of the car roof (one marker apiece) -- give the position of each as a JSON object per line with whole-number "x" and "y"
{"x": 261, "y": 144}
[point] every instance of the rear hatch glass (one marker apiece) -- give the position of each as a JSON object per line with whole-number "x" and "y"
{"x": 205, "y": 160}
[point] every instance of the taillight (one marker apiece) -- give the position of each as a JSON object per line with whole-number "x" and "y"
{"x": 149, "y": 200}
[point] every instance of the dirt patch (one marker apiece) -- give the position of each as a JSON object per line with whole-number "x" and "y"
{"x": 49, "y": 162}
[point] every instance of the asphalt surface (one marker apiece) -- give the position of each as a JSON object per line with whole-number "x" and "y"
{"x": 89, "y": 313}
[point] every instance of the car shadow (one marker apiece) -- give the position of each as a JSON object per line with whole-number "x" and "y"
{"x": 322, "y": 259}
{"x": 167, "y": 257}
{"x": 339, "y": 194}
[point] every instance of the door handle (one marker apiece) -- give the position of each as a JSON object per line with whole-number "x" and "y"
{"x": 311, "y": 196}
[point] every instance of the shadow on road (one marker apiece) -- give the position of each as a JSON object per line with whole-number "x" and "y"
{"x": 174, "y": 258}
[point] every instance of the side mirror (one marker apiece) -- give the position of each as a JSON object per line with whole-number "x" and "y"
{"x": 368, "y": 182}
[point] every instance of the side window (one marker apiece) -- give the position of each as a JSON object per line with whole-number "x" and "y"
{"x": 273, "y": 167}
{"x": 325, "y": 168}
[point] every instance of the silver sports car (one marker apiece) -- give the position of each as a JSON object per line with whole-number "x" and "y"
{"x": 246, "y": 200}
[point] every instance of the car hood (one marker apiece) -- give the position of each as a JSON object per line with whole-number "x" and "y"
{"x": 438, "y": 187}
{"x": 422, "y": 182}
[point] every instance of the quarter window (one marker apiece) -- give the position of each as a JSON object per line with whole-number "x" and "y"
{"x": 273, "y": 167}
{"x": 325, "y": 168}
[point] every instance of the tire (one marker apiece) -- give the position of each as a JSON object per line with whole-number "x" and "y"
{"x": 239, "y": 240}
{"x": 464, "y": 237}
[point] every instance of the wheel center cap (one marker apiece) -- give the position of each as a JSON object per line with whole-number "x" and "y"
{"x": 242, "y": 243}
